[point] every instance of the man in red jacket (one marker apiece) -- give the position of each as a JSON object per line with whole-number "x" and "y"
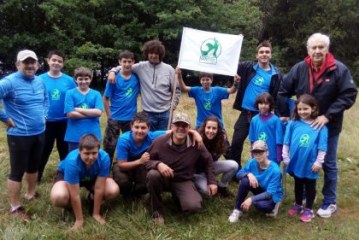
{"x": 331, "y": 83}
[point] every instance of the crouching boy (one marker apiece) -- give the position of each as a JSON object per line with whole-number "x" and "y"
{"x": 89, "y": 167}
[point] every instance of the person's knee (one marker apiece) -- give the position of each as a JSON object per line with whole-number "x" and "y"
{"x": 244, "y": 182}
{"x": 16, "y": 177}
{"x": 153, "y": 175}
{"x": 59, "y": 198}
{"x": 112, "y": 189}
{"x": 191, "y": 205}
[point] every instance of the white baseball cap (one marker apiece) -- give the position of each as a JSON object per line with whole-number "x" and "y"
{"x": 25, "y": 54}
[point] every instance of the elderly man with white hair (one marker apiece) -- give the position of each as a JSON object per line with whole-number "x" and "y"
{"x": 25, "y": 102}
{"x": 331, "y": 83}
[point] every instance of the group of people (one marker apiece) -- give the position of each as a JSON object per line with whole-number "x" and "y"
{"x": 159, "y": 152}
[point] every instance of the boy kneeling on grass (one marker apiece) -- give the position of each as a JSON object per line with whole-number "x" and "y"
{"x": 89, "y": 167}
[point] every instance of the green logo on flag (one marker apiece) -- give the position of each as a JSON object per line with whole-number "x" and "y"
{"x": 211, "y": 49}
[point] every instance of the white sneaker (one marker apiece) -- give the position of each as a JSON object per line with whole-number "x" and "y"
{"x": 235, "y": 215}
{"x": 274, "y": 212}
{"x": 327, "y": 213}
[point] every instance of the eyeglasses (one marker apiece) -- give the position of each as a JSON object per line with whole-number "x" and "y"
{"x": 181, "y": 124}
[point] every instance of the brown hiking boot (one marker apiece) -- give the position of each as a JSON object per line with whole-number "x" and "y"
{"x": 157, "y": 218}
{"x": 20, "y": 212}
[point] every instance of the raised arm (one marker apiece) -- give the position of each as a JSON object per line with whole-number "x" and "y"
{"x": 182, "y": 85}
{"x": 234, "y": 87}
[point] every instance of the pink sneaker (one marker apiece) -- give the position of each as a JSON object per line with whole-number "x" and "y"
{"x": 295, "y": 210}
{"x": 307, "y": 215}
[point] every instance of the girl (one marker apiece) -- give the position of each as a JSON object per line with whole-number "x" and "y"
{"x": 303, "y": 152}
{"x": 215, "y": 140}
{"x": 267, "y": 127}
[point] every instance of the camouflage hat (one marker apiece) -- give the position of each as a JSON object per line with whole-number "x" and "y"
{"x": 181, "y": 117}
{"x": 259, "y": 145}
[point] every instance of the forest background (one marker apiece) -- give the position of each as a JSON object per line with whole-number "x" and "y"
{"x": 91, "y": 33}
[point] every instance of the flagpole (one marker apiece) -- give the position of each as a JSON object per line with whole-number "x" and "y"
{"x": 172, "y": 102}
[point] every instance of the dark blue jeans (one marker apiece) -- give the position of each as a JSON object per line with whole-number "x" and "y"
{"x": 159, "y": 121}
{"x": 330, "y": 169}
{"x": 265, "y": 205}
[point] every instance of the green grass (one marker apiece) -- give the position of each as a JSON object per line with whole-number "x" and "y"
{"x": 130, "y": 219}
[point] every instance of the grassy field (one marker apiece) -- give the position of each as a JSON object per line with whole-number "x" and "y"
{"x": 130, "y": 219}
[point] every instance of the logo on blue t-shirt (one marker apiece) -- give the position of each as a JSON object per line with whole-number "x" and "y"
{"x": 304, "y": 140}
{"x": 259, "y": 81}
{"x": 55, "y": 95}
{"x": 208, "y": 105}
{"x": 129, "y": 92}
{"x": 84, "y": 106}
{"x": 86, "y": 179}
{"x": 263, "y": 136}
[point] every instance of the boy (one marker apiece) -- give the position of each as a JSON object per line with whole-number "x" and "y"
{"x": 83, "y": 107}
{"x": 208, "y": 99}
{"x": 123, "y": 96}
{"x": 89, "y": 166}
{"x": 57, "y": 84}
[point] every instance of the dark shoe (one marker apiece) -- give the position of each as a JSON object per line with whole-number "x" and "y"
{"x": 20, "y": 212}
{"x": 224, "y": 192}
{"x": 157, "y": 218}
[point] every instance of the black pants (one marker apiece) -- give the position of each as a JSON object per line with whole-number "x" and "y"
{"x": 309, "y": 185}
{"x": 25, "y": 154}
{"x": 54, "y": 131}
{"x": 241, "y": 130}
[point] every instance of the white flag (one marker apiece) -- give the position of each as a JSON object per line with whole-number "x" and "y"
{"x": 210, "y": 52}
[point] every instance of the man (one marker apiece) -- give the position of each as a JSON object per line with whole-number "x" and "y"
{"x": 89, "y": 167}
{"x": 263, "y": 178}
{"x": 157, "y": 80}
{"x": 123, "y": 98}
{"x": 256, "y": 78}
{"x": 57, "y": 84}
{"x": 331, "y": 83}
{"x": 25, "y": 102}
{"x": 172, "y": 166}
{"x": 129, "y": 172}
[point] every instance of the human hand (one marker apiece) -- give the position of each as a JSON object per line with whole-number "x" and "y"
{"x": 111, "y": 77}
{"x": 178, "y": 71}
{"x": 10, "y": 123}
{"x": 319, "y": 122}
{"x": 212, "y": 189}
{"x": 99, "y": 219}
{"x": 197, "y": 139}
{"x": 316, "y": 168}
{"x": 286, "y": 161}
{"x": 77, "y": 225}
{"x": 284, "y": 119}
{"x": 165, "y": 170}
{"x": 145, "y": 158}
{"x": 236, "y": 79}
{"x": 246, "y": 204}
{"x": 252, "y": 180}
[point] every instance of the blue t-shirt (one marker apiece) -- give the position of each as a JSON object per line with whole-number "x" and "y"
{"x": 25, "y": 102}
{"x": 127, "y": 148}
{"x": 304, "y": 144}
{"x": 258, "y": 84}
{"x": 269, "y": 131}
{"x": 269, "y": 179}
{"x": 123, "y": 96}
{"x": 56, "y": 89}
{"x": 78, "y": 127}
{"x": 75, "y": 170}
{"x": 208, "y": 103}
